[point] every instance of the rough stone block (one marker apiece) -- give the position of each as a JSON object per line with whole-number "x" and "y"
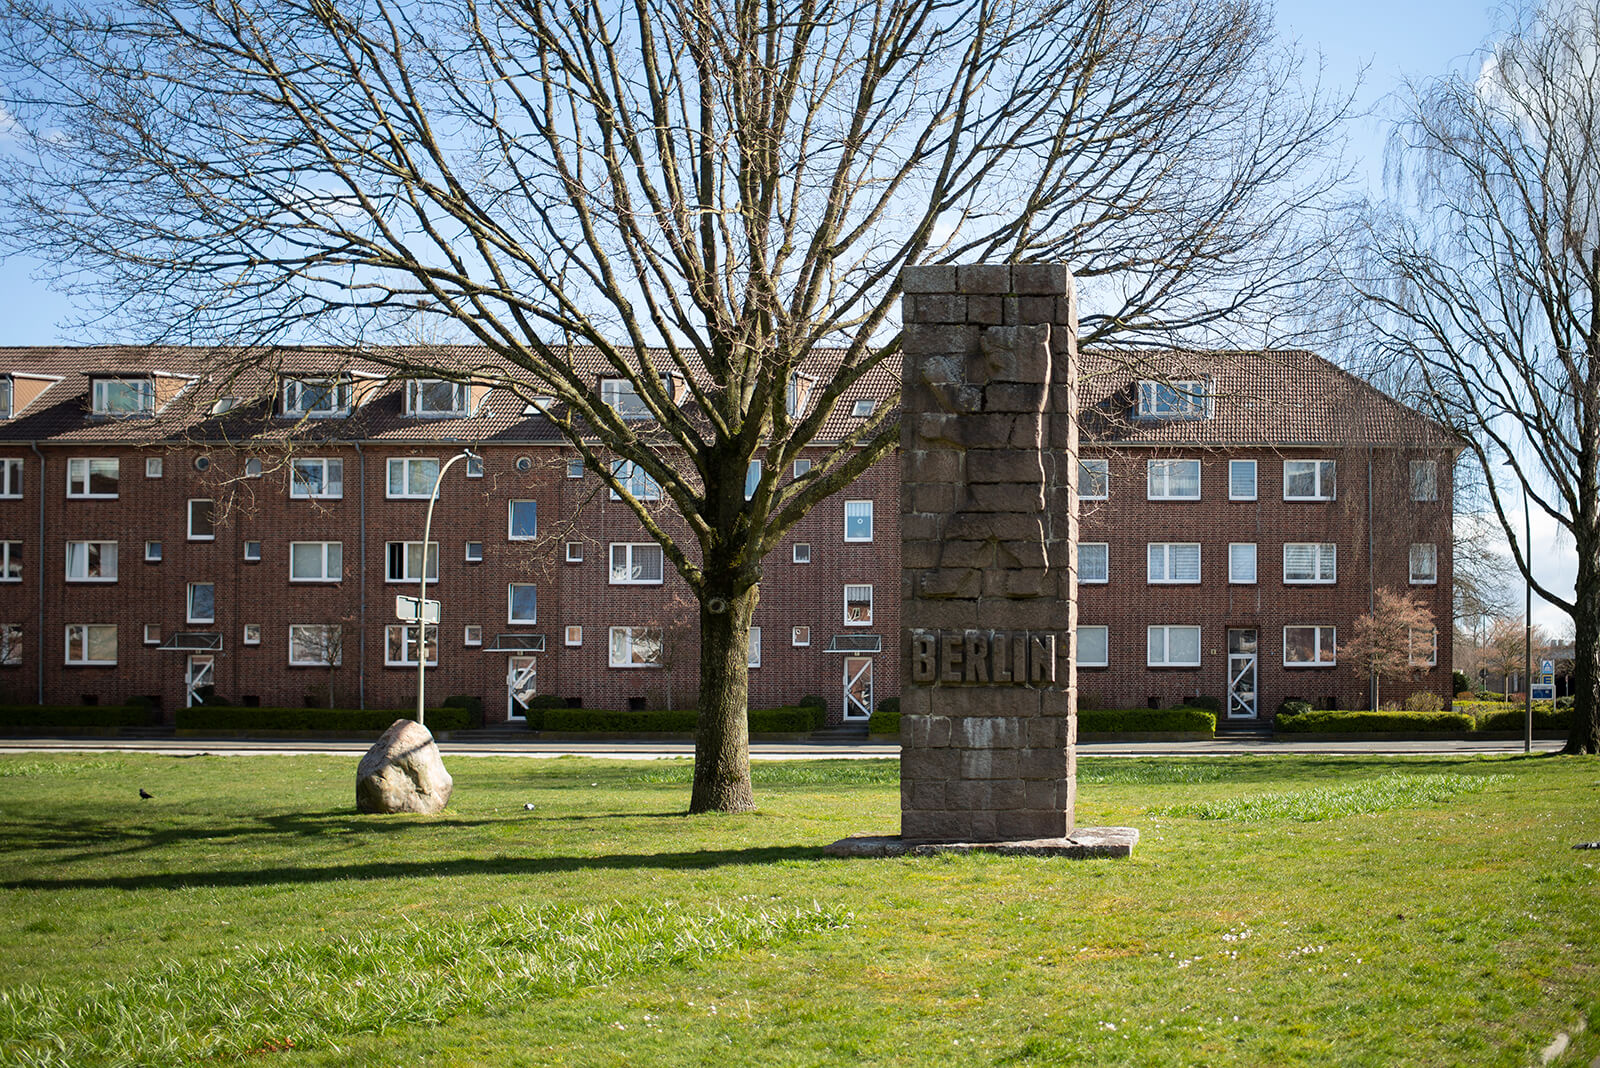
{"x": 1026, "y": 824}
{"x": 928, "y": 278}
{"x": 940, "y": 308}
{"x": 939, "y": 337}
{"x": 938, "y": 497}
{"x": 979, "y": 278}
{"x": 950, "y": 582}
{"x": 939, "y": 369}
{"x": 964, "y": 795}
{"x": 1005, "y": 465}
{"x": 986, "y": 310}
{"x": 1036, "y": 309}
{"x": 1040, "y": 278}
{"x": 1044, "y": 732}
{"x": 1019, "y": 583}
{"x": 920, "y": 554}
{"x": 1022, "y": 554}
{"x": 1014, "y": 397}
{"x": 936, "y": 428}
{"x": 1013, "y": 354}
{"x": 928, "y": 794}
{"x": 983, "y": 826}
{"x": 931, "y": 465}
{"x": 1001, "y": 497}
{"x": 999, "y": 526}
{"x": 1042, "y": 794}
{"x": 1007, "y": 794}
{"x": 933, "y": 826}
{"x": 939, "y": 731}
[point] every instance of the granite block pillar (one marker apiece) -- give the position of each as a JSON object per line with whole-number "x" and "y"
{"x": 988, "y": 447}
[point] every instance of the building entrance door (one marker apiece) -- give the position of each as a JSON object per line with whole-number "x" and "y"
{"x": 1242, "y": 674}
{"x": 857, "y": 687}
{"x": 200, "y": 675}
{"x": 522, "y": 682}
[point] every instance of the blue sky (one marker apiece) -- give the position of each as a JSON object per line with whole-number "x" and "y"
{"x": 1389, "y": 38}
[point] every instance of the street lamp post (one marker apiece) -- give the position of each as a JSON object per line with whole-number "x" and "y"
{"x": 422, "y": 582}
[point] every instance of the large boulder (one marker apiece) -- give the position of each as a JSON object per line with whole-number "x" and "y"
{"x": 403, "y": 772}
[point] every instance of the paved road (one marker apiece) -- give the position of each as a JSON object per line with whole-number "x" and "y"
{"x": 760, "y": 751}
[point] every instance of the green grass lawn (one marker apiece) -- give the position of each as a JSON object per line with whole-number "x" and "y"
{"x": 1278, "y": 910}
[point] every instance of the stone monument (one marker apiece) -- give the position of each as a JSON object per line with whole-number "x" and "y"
{"x": 989, "y": 521}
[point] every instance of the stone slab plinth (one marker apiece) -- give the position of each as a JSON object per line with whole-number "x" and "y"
{"x": 1084, "y": 843}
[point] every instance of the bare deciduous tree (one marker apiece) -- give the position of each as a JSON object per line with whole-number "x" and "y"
{"x": 706, "y": 198}
{"x": 1394, "y": 640}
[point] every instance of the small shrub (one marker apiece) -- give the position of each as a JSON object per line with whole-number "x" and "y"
{"x": 473, "y": 706}
{"x": 886, "y": 717}
{"x": 1424, "y": 702}
{"x": 816, "y": 701}
{"x": 1332, "y": 721}
{"x": 1209, "y": 704}
{"x": 1136, "y": 720}
{"x": 1293, "y": 706}
{"x": 1459, "y": 681}
{"x": 790, "y": 719}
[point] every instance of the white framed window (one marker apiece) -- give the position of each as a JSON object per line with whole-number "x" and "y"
{"x": 1094, "y": 646}
{"x": 1172, "y": 646}
{"x": 753, "y": 648}
{"x": 91, "y": 561}
{"x": 1423, "y": 647}
{"x": 1172, "y": 480}
{"x": 522, "y": 603}
{"x": 857, "y": 520}
{"x": 632, "y": 478}
{"x": 400, "y": 644}
{"x": 575, "y": 467}
{"x": 637, "y": 564}
{"x": 153, "y": 466}
{"x": 123, "y": 396}
{"x": 317, "y": 398}
{"x": 92, "y": 476}
{"x": 11, "y": 561}
{"x": 316, "y": 477}
{"x": 152, "y": 633}
{"x": 316, "y": 561}
{"x": 620, "y": 396}
{"x": 252, "y": 634}
{"x": 316, "y": 644}
{"x": 635, "y": 647}
{"x": 412, "y": 477}
{"x": 797, "y": 394}
{"x": 405, "y": 561}
{"x": 800, "y": 636}
{"x": 1172, "y": 562}
{"x": 802, "y": 468}
{"x": 435, "y": 398}
{"x": 1310, "y": 646}
{"x": 252, "y": 552}
{"x": 152, "y": 552}
{"x": 11, "y": 477}
{"x": 1179, "y": 399}
{"x": 574, "y": 552}
{"x": 252, "y": 467}
{"x": 752, "y": 479}
{"x": 1424, "y": 564}
{"x": 1242, "y": 563}
{"x": 10, "y": 644}
{"x": 202, "y": 602}
{"x": 1424, "y": 480}
{"x": 5, "y": 399}
{"x": 522, "y": 520}
{"x": 1094, "y": 562}
{"x": 572, "y": 636}
{"x": 474, "y": 467}
{"x": 202, "y": 519}
{"x": 91, "y": 643}
{"x": 474, "y": 552}
{"x": 472, "y": 634}
{"x": 861, "y": 409}
{"x": 1310, "y": 562}
{"x": 802, "y": 552}
{"x": 858, "y": 606}
{"x": 1241, "y": 480}
{"x": 1309, "y": 480}
{"x": 1094, "y": 479}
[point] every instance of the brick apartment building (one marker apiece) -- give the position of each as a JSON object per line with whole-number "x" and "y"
{"x": 156, "y": 538}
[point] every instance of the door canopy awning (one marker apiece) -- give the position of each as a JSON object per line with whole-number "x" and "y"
{"x": 855, "y": 643}
{"x": 516, "y": 643}
{"x": 193, "y": 642}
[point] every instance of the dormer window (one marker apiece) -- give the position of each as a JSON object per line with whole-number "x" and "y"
{"x": 5, "y": 396}
{"x": 436, "y": 398}
{"x": 1188, "y": 399}
{"x": 621, "y": 396}
{"x": 797, "y": 395}
{"x": 117, "y": 397}
{"x": 317, "y": 398}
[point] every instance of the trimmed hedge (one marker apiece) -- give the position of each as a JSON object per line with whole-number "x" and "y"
{"x": 791, "y": 719}
{"x": 1516, "y": 719}
{"x": 227, "y": 718}
{"x": 886, "y": 717}
{"x": 1340, "y": 721}
{"x": 1138, "y": 720}
{"x": 74, "y": 716}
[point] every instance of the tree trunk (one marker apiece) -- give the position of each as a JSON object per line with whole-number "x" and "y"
{"x": 722, "y": 735}
{"x": 1585, "y": 734}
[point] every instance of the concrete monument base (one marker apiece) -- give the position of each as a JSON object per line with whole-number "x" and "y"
{"x": 1083, "y": 843}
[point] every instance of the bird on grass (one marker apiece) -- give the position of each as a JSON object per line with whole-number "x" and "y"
{"x": 145, "y": 795}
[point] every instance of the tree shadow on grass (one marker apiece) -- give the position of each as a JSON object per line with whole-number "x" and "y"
{"x": 697, "y": 860}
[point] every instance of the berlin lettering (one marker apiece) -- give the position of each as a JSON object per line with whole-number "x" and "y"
{"x": 982, "y": 657}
